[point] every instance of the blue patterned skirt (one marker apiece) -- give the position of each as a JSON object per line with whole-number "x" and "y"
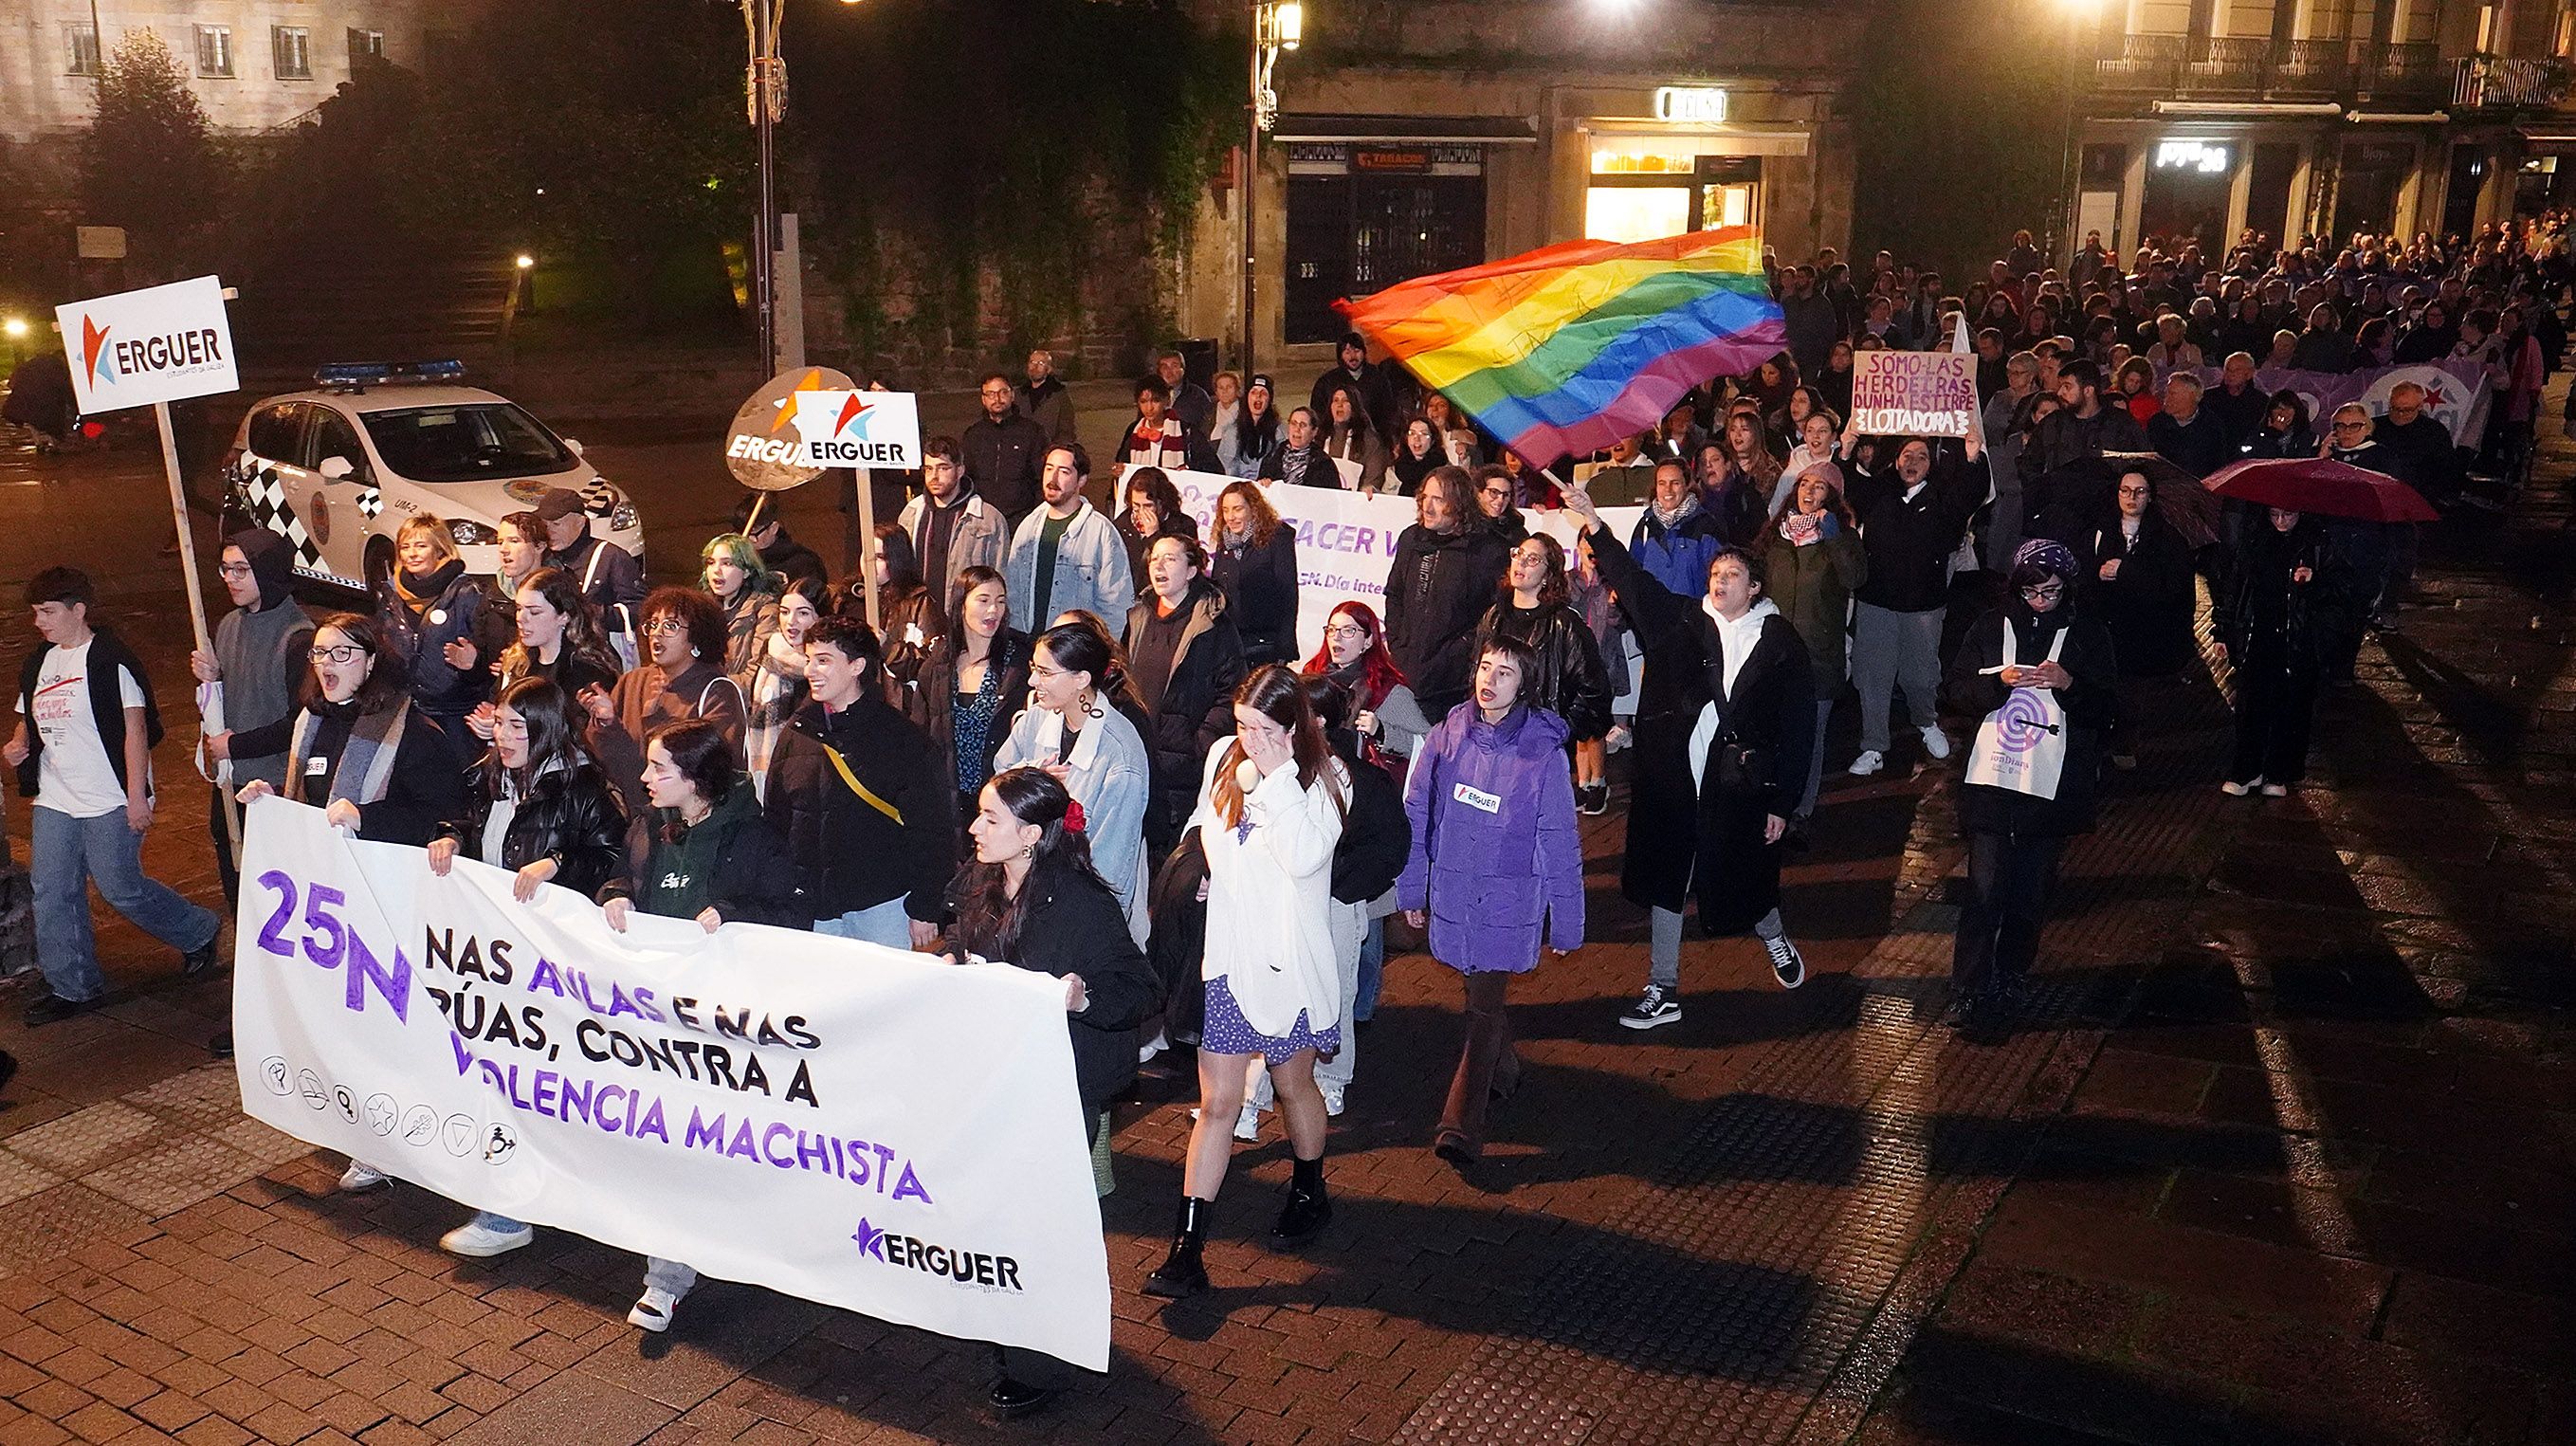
{"x": 1228, "y": 1032}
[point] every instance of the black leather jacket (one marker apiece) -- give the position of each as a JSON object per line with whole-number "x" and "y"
{"x": 570, "y": 815}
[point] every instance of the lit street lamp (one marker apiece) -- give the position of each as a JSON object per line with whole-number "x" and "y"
{"x": 767, "y": 100}
{"x": 1277, "y": 25}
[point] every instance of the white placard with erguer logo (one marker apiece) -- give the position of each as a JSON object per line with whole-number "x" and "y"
{"x": 160, "y": 344}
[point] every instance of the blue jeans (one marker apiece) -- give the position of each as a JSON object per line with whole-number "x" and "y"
{"x": 70, "y": 853}
{"x": 1372, "y": 971}
{"x": 885, "y": 924}
{"x": 490, "y": 1221}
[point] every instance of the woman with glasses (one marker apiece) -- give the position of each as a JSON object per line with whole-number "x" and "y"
{"x": 1076, "y": 731}
{"x": 2042, "y": 677}
{"x": 683, "y": 676}
{"x": 375, "y": 764}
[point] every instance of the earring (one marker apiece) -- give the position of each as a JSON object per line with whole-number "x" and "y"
{"x": 1028, "y": 851}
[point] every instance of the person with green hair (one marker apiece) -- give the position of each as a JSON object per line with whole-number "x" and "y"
{"x": 747, "y": 591}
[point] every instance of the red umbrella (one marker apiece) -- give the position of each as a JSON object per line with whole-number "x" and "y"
{"x": 2323, "y": 486}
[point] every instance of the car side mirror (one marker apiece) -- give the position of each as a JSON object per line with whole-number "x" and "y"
{"x": 572, "y": 446}
{"x": 335, "y": 469}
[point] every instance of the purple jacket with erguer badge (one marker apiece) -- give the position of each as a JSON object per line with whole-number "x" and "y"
{"x": 1495, "y": 856}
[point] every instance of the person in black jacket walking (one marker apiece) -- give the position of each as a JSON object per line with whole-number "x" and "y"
{"x": 561, "y": 823}
{"x": 1004, "y": 449}
{"x": 1254, "y": 563}
{"x": 1911, "y": 520}
{"x": 1032, "y": 898}
{"x": 2015, "y": 837}
{"x": 1536, "y": 609}
{"x": 2274, "y": 625}
{"x": 1185, "y": 658}
{"x": 1725, "y": 716}
{"x": 2136, "y": 579}
{"x": 1437, "y": 590}
{"x": 864, "y": 799}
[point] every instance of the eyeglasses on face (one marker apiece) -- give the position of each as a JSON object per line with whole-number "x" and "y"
{"x": 662, "y": 627}
{"x": 1348, "y": 633}
{"x": 233, "y": 569}
{"x": 2043, "y": 592}
{"x": 342, "y": 653}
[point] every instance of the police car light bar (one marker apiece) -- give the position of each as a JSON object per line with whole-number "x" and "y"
{"x": 367, "y": 374}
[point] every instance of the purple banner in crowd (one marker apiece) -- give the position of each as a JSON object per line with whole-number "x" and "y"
{"x": 2455, "y": 391}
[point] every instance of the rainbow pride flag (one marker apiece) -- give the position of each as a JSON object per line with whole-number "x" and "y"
{"x": 1565, "y": 349}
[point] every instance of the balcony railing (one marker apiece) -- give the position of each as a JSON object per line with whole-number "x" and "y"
{"x": 2496, "y": 82}
{"x": 2254, "y": 66}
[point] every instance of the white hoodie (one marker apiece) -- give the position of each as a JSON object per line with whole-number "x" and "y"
{"x": 1736, "y": 640}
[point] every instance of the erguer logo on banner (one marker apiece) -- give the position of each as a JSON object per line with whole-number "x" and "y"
{"x": 841, "y": 429}
{"x": 161, "y": 344}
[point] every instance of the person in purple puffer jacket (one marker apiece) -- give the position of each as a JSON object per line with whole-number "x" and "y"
{"x": 1495, "y": 868}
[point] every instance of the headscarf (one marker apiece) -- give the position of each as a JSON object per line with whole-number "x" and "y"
{"x": 2041, "y": 559}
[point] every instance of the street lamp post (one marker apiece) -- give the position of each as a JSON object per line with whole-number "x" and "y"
{"x": 2079, "y": 15}
{"x": 1277, "y": 25}
{"x": 767, "y": 100}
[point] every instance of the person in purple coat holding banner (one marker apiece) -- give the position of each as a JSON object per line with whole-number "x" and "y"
{"x": 1495, "y": 868}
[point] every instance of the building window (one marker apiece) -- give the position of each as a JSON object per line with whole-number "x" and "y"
{"x": 80, "y": 49}
{"x": 365, "y": 45}
{"x": 215, "y": 50}
{"x": 291, "y": 46}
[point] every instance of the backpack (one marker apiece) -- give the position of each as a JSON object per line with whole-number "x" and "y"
{"x": 1377, "y": 838}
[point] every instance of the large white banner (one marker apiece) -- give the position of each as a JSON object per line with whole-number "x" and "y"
{"x": 1346, "y": 540}
{"x": 866, "y": 1128}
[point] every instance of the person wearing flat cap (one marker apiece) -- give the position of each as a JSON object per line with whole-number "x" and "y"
{"x": 611, "y": 579}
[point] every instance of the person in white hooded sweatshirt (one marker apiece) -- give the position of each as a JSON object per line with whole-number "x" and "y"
{"x": 1724, "y": 725}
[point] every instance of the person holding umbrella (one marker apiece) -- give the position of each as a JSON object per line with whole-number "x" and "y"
{"x": 2276, "y": 646}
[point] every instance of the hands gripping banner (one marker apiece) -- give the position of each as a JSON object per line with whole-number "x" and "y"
{"x": 870, "y": 1129}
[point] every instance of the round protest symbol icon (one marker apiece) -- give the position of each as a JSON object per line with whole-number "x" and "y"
{"x": 310, "y": 1085}
{"x": 382, "y": 1113}
{"x": 279, "y": 1078}
{"x": 2023, "y": 721}
{"x": 419, "y": 1125}
{"x": 499, "y": 1144}
{"x": 460, "y": 1134}
{"x": 345, "y": 1100}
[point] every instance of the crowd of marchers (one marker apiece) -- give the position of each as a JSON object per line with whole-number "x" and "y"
{"x": 1085, "y": 742}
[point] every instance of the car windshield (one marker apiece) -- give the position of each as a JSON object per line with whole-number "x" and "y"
{"x": 472, "y": 442}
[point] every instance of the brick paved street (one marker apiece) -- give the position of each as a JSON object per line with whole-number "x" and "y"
{"x": 2288, "y": 1161}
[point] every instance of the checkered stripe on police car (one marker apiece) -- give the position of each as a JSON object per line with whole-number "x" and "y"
{"x": 371, "y": 502}
{"x": 596, "y": 498}
{"x": 265, "y": 498}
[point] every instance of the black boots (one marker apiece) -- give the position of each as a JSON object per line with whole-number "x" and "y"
{"x": 1181, "y": 1273}
{"x": 1308, "y": 1210}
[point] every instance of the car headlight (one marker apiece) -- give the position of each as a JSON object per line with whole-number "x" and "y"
{"x": 624, "y": 518}
{"x": 473, "y": 534}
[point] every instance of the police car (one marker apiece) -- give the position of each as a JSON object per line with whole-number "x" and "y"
{"x": 337, "y": 470}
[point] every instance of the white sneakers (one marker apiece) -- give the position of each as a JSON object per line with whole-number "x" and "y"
{"x": 652, "y": 1309}
{"x": 2276, "y": 790}
{"x": 361, "y": 1176}
{"x": 1153, "y": 1047}
{"x": 1617, "y": 738}
{"x": 1869, "y": 762}
{"x": 1936, "y": 742}
{"x": 481, "y": 1241}
{"x": 2234, "y": 789}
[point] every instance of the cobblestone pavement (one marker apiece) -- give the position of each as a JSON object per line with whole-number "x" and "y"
{"x": 2287, "y": 1159}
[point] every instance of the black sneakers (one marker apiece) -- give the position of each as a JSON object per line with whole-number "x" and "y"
{"x": 1652, "y": 1009}
{"x": 1787, "y": 964}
